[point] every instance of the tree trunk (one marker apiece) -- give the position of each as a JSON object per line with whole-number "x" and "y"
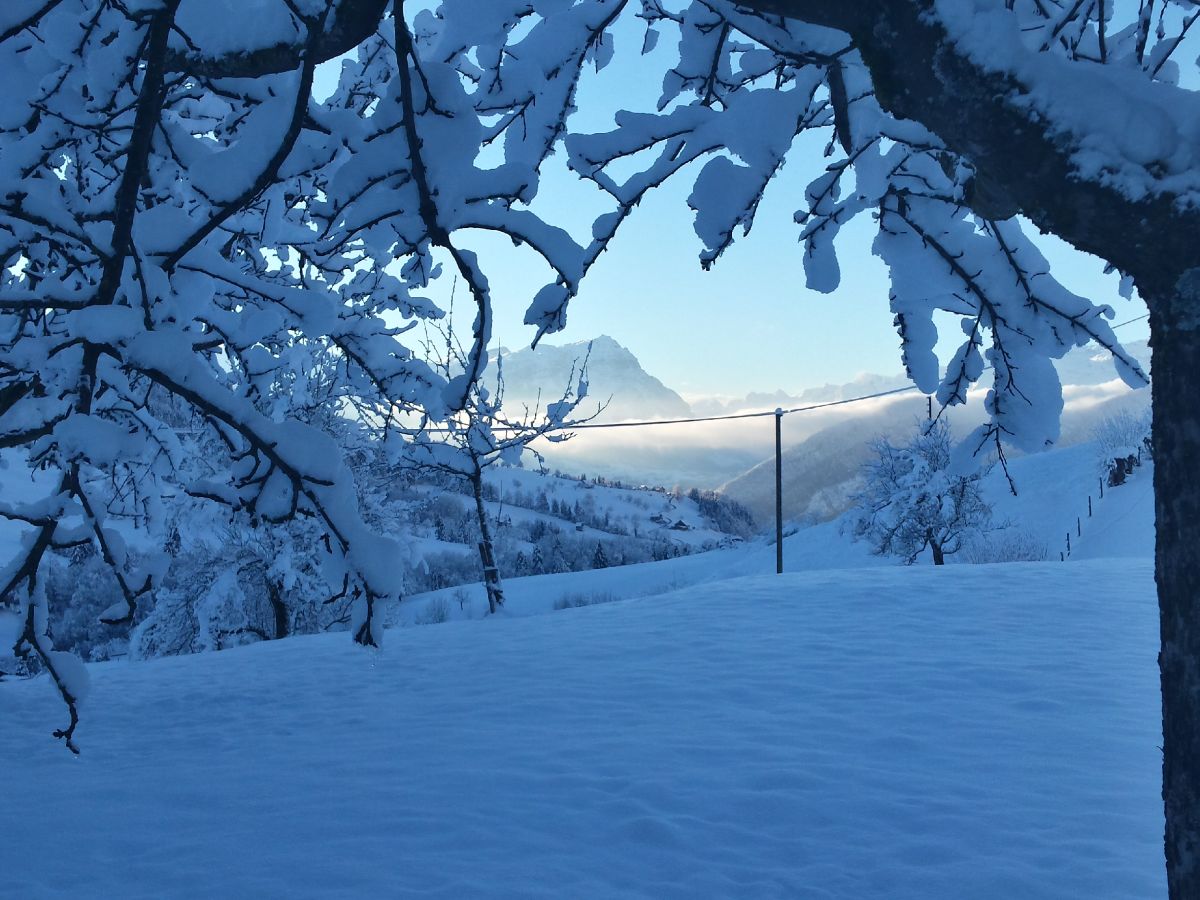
{"x": 1175, "y": 340}
{"x": 487, "y": 554}
{"x": 939, "y": 558}
{"x": 279, "y": 610}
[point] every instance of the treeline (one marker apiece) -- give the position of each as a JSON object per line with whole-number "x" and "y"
{"x": 232, "y": 580}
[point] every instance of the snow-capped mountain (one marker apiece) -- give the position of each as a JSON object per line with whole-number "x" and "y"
{"x": 723, "y": 453}
{"x": 866, "y": 383}
{"x": 613, "y": 373}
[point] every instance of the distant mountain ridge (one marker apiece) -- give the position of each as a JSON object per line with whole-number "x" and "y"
{"x": 867, "y": 383}
{"x": 1088, "y": 365}
{"x": 614, "y": 375}
{"x": 697, "y": 456}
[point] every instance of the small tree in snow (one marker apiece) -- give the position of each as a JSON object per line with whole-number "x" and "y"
{"x": 482, "y": 433}
{"x": 600, "y": 558}
{"x": 1119, "y": 436}
{"x": 911, "y": 501}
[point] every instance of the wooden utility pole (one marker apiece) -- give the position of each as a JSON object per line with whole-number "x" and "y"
{"x": 778, "y": 491}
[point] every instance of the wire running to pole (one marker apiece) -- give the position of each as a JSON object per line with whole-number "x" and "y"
{"x": 749, "y": 415}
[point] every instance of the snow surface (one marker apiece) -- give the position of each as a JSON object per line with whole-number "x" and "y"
{"x": 971, "y": 731}
{"x": 1126, "y": 526}
{"x": 820, "y": 547}
{"x": 852, "y": 729}
{"x": 1052, "y": 493}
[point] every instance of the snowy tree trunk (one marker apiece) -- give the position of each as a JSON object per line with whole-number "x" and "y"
{"x": 487, "y": 551}
{"x": 1024, "y": 167}
{"x": 939, "y": 557}
{"x": 279, "y": 610}
{"x": 1175, "y": 339}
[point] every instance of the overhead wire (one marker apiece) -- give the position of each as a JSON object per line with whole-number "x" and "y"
{"x": 642, "y": 423}
{"x": 777, "y": 412}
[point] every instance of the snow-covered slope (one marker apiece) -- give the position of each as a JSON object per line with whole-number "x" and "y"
{"x": 1052, "y": 499}
{"x": 830, "y": 458}
{"x": 647, "y": 511}
{"x": 809, "y": 549}
{"x": 984, "y": 732}
{"x": 1124, "y": 525}
{"x": 543, "y": 522}
{"x": 851, "y": 729}
{"x": 1052, "y": 494}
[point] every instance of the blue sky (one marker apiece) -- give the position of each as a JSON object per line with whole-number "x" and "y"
{"x": 749, "y": 324}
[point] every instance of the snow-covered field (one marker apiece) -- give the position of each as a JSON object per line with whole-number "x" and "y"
{"x": 978, "y": 732}
{"x": 848, "y": 730}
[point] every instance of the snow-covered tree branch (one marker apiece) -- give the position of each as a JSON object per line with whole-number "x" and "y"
{"x": 483, "y": 433}
{"x": 181, "y": 218}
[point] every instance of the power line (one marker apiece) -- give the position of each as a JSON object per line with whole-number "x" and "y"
{"x": 796, "y": 409}
{"x": 750, "y": 415}
{"x": 1131, "y": 321}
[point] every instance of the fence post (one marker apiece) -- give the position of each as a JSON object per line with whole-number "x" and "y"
{"x": 1068, "y": 543}
{"x": 1078, "y": 527}
{"x": 778, "y": 491}
{"x": 1089, "y": 506}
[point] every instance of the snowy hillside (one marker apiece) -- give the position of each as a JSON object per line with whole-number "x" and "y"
{"x": 851, "y": 729}
{"x": 1051, "y": 500}
{"x": 544, "y": 522}
{"x": 816, "y": 469}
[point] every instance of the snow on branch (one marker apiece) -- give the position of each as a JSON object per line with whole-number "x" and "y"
{"x": 192, "y": 243}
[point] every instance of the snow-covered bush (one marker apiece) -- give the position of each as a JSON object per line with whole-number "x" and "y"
{"x": 1122, "y": 434}
{"x": 233, "y": 582}
{"x": 435, "y": 612}
{"x": 79, "y": 588}
{"x": 910, "y": 501}
{"x": 1004, "y": 545}
{"x": 576, "y": 599}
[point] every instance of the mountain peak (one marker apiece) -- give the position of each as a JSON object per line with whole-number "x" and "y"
{"x": 613, "y": 372}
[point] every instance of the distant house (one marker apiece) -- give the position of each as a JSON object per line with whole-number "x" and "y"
{"x": 681, "y": 525}
{"x": 660, "y": 519}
